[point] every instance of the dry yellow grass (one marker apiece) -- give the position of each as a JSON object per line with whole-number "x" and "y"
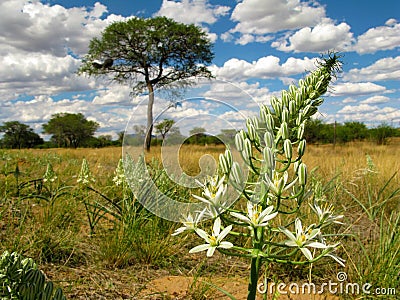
{"x": 330, "y": 160}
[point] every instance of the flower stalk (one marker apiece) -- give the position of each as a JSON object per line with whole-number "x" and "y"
{"x": 271, "y": 145}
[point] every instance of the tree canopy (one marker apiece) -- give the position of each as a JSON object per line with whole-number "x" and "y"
{"x": 164, "y": 126}
{"x": 148, "y": 54}
{"x": 18, "y": 135}
{"x": 70, "y": 130}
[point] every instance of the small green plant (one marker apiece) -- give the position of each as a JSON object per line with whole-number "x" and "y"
{"x": 21, "y": 279}
{"x": 275, "y": 189}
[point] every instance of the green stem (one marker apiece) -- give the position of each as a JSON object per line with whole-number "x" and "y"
{"x": 254, "y": 272}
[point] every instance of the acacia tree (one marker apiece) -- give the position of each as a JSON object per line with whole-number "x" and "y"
{"x": 19, "y": 135}
{"x": 149, "y": 54}
{"x": 70, "y": 130}
{"x": 164, "y": 127}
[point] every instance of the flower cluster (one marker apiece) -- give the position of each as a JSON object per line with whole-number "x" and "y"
{"x": 214, "y": 192}
{"x": 85, "y": 177}
{"x": 49, "y": 175}
{"x": 119, "y": 178}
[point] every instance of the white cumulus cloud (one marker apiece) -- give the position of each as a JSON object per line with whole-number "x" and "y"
{"x": 269, "y": 16}
{"x": 359, "y": 88}
{"x": 387, "y": 68}
{"x": 264, "y": 68}
{"x": 376, "y": 100}
{"x": 192, "y": 11}
{"x": 385, "y": 37}
{"x": 322, "y": 37}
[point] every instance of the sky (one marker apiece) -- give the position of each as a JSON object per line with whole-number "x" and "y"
{"x": 260, "y": 47}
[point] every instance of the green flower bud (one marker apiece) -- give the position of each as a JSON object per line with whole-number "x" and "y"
{"x": 306, "y": 109}
{"x": 229, "y": 158}
{"x": 296, "y": 165}
{"x": 247, "y": 150}
{"x": 304, "y": 93}
{"x": 237, "y": 174}
{"x": 225, "y": 161}
{"x": 302, "y": 174}
{"x": 276, "y": 105}
{"x": 311, "y": 111}
{"x": 270, "y": 123}
{"x": 318, "y": 102}
{"x": 284, "y": 130}
{"x": 285, "y": 99}
{"x": 269, "y": 159}
{"x": 223, "y": 164}
{"x": 255, "y": 122}
{"x": 292, "y": 106}
{"x": 239, "y": 141}
{"x": 300, "y": 131}
{"x": 288, "y": 149}
{"x": 301, "y": 147}
{"x": 268, "y": 139}
{"x": 285, "y": 115}
{"x": 251, "y": 130}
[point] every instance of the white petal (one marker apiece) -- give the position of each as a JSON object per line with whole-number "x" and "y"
{"x": 313, "y": 233}
{"x": 199, "y": 248}
{"x": 203, "y": 234}
{"x": 201, "y": 199}
{"x": 307, "y": 253}
{"x": 179, "y": 230}
{"x": 268, "y": 217}
{"x": 298, "y": 227}
{"x": 241, "y": 217}
{"x": 224, "y": 233}
{"x": 317, "y": 245}
{"x": 210, "y": 251}
{"x": 225, "y": 245}
{"x": 250, "y": 208}
{"x": 338, "y": 259}
{"x": 217, "y": 227}
{"x": 288, "y": 233}
{"x": 291, "y": 244}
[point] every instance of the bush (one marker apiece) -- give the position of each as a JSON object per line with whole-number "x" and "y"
{"x": 21, "y": 279}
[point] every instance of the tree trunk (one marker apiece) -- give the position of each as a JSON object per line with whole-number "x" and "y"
{"x": 149, "y": 129}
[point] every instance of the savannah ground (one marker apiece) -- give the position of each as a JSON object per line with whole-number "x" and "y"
{"x": 83, "y": 244}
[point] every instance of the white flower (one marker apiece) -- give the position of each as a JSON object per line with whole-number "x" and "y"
{"x": 119, "y": 177}
{"x": 213, "y": 193}
{"x": 85, "y": 176}
{"x": 325, "y": 213}
{"x": 49, "y": 175}
{"x": 256, "y": 217}
{"x": 213, "y": 241}
{"x": 190, "y": 223}
{"x": 303, "y": 239}
{"x": 278, "y": 184}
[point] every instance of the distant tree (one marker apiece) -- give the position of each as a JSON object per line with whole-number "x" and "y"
{"x": 313, "y": 130}
{"x": 70, "y": 130}
{"x": 149, "y": 54}
{"x": 351, "y": 131}
{"x": 197, "y": 130}
{"x": 18, "y": 135}
{"x": 164, "y": 127}
{"x": 228, "y": 135}
{"x": 197, "y": 135}
{"x": 105, "y": 140}
{"x": 381, "y": 133}
{"x": 120, "y": 139}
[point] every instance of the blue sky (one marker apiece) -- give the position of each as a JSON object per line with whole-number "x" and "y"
{"x": 260, "y": 46}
